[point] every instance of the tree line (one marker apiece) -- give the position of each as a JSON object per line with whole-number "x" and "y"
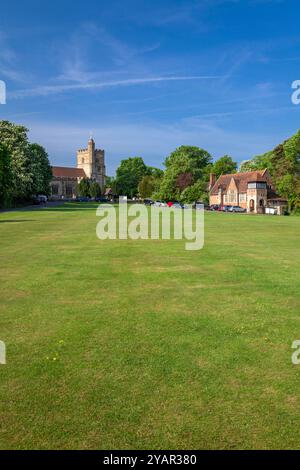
{"x": 187, "y": 170}
{"x": 184, "y": 179}
{"x": 25, "y": 169}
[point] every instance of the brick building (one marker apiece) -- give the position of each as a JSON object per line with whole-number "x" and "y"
{"x": 252, "y": 190}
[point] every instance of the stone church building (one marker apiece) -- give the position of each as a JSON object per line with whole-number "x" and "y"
{"x": 90, "y": 164}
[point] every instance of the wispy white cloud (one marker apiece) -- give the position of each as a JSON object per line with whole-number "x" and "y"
{"x": 45, "y": 90}
{"x": 8, "y": 61}
{"x": 191, "y": 13}
{"x": 78, "y": 59}
{"x": 121, "y": 51}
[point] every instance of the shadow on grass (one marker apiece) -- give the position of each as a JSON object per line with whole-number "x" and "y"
{"x": 16, "y": 221}
{"x": 72, "y": 207}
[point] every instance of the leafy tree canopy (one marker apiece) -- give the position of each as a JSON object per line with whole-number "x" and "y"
{"x": 283, "y": 163}
{"x": 156, "y": 172}
{"x": 195, "y": 192}
{"x": 129, "y": 173}
{"x": 95, "y": 189}
{"x": 224, "y": 166}
{"x": 40, "y": 170}
{"x": 14, "y": 137}
{"x": 109, "y": 180}
{"x": 84, "y": 187}
{"x": 188, "y": 159}
{"x": 30, "y": 168}
{"x": 147, "y": 186}
{"x": 6, "y": 176}
{"x": 184, "y": 167}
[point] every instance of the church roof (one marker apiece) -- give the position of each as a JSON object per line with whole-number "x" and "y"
{"x": 108, "y": 192}
{"x": 241, "y": 180}
{"x": 67, "y": 172}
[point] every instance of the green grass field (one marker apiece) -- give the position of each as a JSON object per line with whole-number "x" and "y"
{"x": 141, "y": 344}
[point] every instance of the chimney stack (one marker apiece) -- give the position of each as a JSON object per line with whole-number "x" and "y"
{"x": 212, "y": 180}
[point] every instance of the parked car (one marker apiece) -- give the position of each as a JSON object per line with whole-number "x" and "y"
{"x": 40, "y": 199}
{"x": 35, "y": 201}
{"x": 101, "y": 199}
{"x": 214, "y": 207}
{"x": 178, "y": 205}
{"x": 160, "y": 204}
{"x": 148, "y": 202}
{"x": 82, "y": 199}
{"x": 198, "y": 205}
{"x": 237, "y": 209}
{"x": 227, "y": 208}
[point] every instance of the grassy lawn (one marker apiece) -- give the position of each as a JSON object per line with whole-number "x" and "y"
{"x": 141, "y": 344}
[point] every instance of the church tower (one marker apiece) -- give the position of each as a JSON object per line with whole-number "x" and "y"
{"x": 92, "y": 162}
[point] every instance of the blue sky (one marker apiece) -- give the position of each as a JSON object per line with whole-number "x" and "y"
{"x": 148, "y": 76}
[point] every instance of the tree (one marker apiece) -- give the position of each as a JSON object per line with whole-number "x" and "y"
{"x": 109, "y": 180}
{"x": 129, "y": 174}
{"x": 196, "y": 192}
{"x": 95, "y": 190}
{"x": 185, "y": 166}
{"x": 245, "y": 166}
{"x": 224, "y": 166}
{"x": 189, "y": 159}
{"x": 30, "y": 167}
{"x": 156, "y": 172}
{"x": 146, "y": 186}
{"x": 14, "y": 137}
{"x": 84, "y": 188}
{"x": 6, "y": 176}
{"x": 260, "y": 162}
{"x": 283, "y": 163}
{"x": 40, "y": 170}
{"x": 184, "y": 180}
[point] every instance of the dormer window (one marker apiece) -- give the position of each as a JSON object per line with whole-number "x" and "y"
{"x": 257, "y": 185}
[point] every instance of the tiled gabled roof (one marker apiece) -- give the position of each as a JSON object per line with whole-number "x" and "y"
{"x": 241, "y": 180}
{"x": 66, "y": 172}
